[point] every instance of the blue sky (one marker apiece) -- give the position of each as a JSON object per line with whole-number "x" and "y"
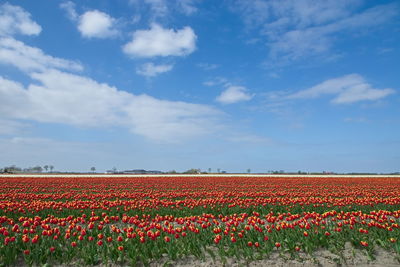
{"x": 156, "y": 84}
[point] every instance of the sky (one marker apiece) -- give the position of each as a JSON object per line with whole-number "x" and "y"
{"x": 293, "y": 85}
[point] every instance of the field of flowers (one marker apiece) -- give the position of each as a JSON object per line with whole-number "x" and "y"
{"x": 139, "y": 220}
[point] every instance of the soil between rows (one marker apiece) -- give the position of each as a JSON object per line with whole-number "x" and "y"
{"x": 350, "y": 257}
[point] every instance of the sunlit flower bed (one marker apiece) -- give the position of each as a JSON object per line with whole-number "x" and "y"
{"x": 139, "y": 220}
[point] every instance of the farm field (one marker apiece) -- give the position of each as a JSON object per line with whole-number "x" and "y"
{"x": 199, "y": 220}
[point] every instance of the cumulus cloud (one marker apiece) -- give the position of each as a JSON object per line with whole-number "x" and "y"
{"x": 15, "y": 20}
{"x": 346, "y": 89}
{"x": 152, "y": 70}
{"x": 59, "y": 97}
{"x": 158, "y": 41}
{"x": 233, "y": 94}
{"x": 27, "y": 58}
{"x": 97, "y": 24}
{"x": 92, "y": 23}
{"x": 56, "y": 96}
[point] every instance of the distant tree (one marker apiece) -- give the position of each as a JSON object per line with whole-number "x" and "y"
{"x": 248, "y": 170}
{"x": 192, "y": 171}
{"x": 37, "y": 169}
{"x": 12, "y": 169}
{"x": 114, "y": 169}
{"x": 46, "y": 167}
{"x": 93, "y": 169}
{"x": 218, "y": 170}
{"x": 172, "y": 172}
{"x": 209, "y": 170}
{"x": 51, "y": 167}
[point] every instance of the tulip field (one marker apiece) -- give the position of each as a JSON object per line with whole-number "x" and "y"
{"x": 133, "y": 221}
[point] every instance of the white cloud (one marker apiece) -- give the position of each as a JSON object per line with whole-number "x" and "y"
{"x": 347, "y": 89}
{"x": 97, "y": 24}
{"x": 15, "y": 20}
{"x": 170, "y": 120}
{"x": 361, "y": 92}
{"x": 92, "y": 23}
{"x": 152, "y": 70}
{"x": 187, "y": 7}
{"x": 159, "y": 8}
{"x": 165, "y": 8}
{"x": 27, "y": 58}
{"x": 69, "y": 7}
{"x": 11, "y": 96}
{"x": 296, "y": 29}
{"x": 59, "y": 97}
{"x": 158, "y": 41}
{"x": 217, "y": 81}
{"x": 234, "y": 94}
{"x": 300, "y": 42}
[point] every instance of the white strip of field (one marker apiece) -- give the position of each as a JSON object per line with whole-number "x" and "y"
{"x": 98, "y": 175}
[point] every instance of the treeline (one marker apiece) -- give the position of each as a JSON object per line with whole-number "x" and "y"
{"x": 37, "y": 169}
